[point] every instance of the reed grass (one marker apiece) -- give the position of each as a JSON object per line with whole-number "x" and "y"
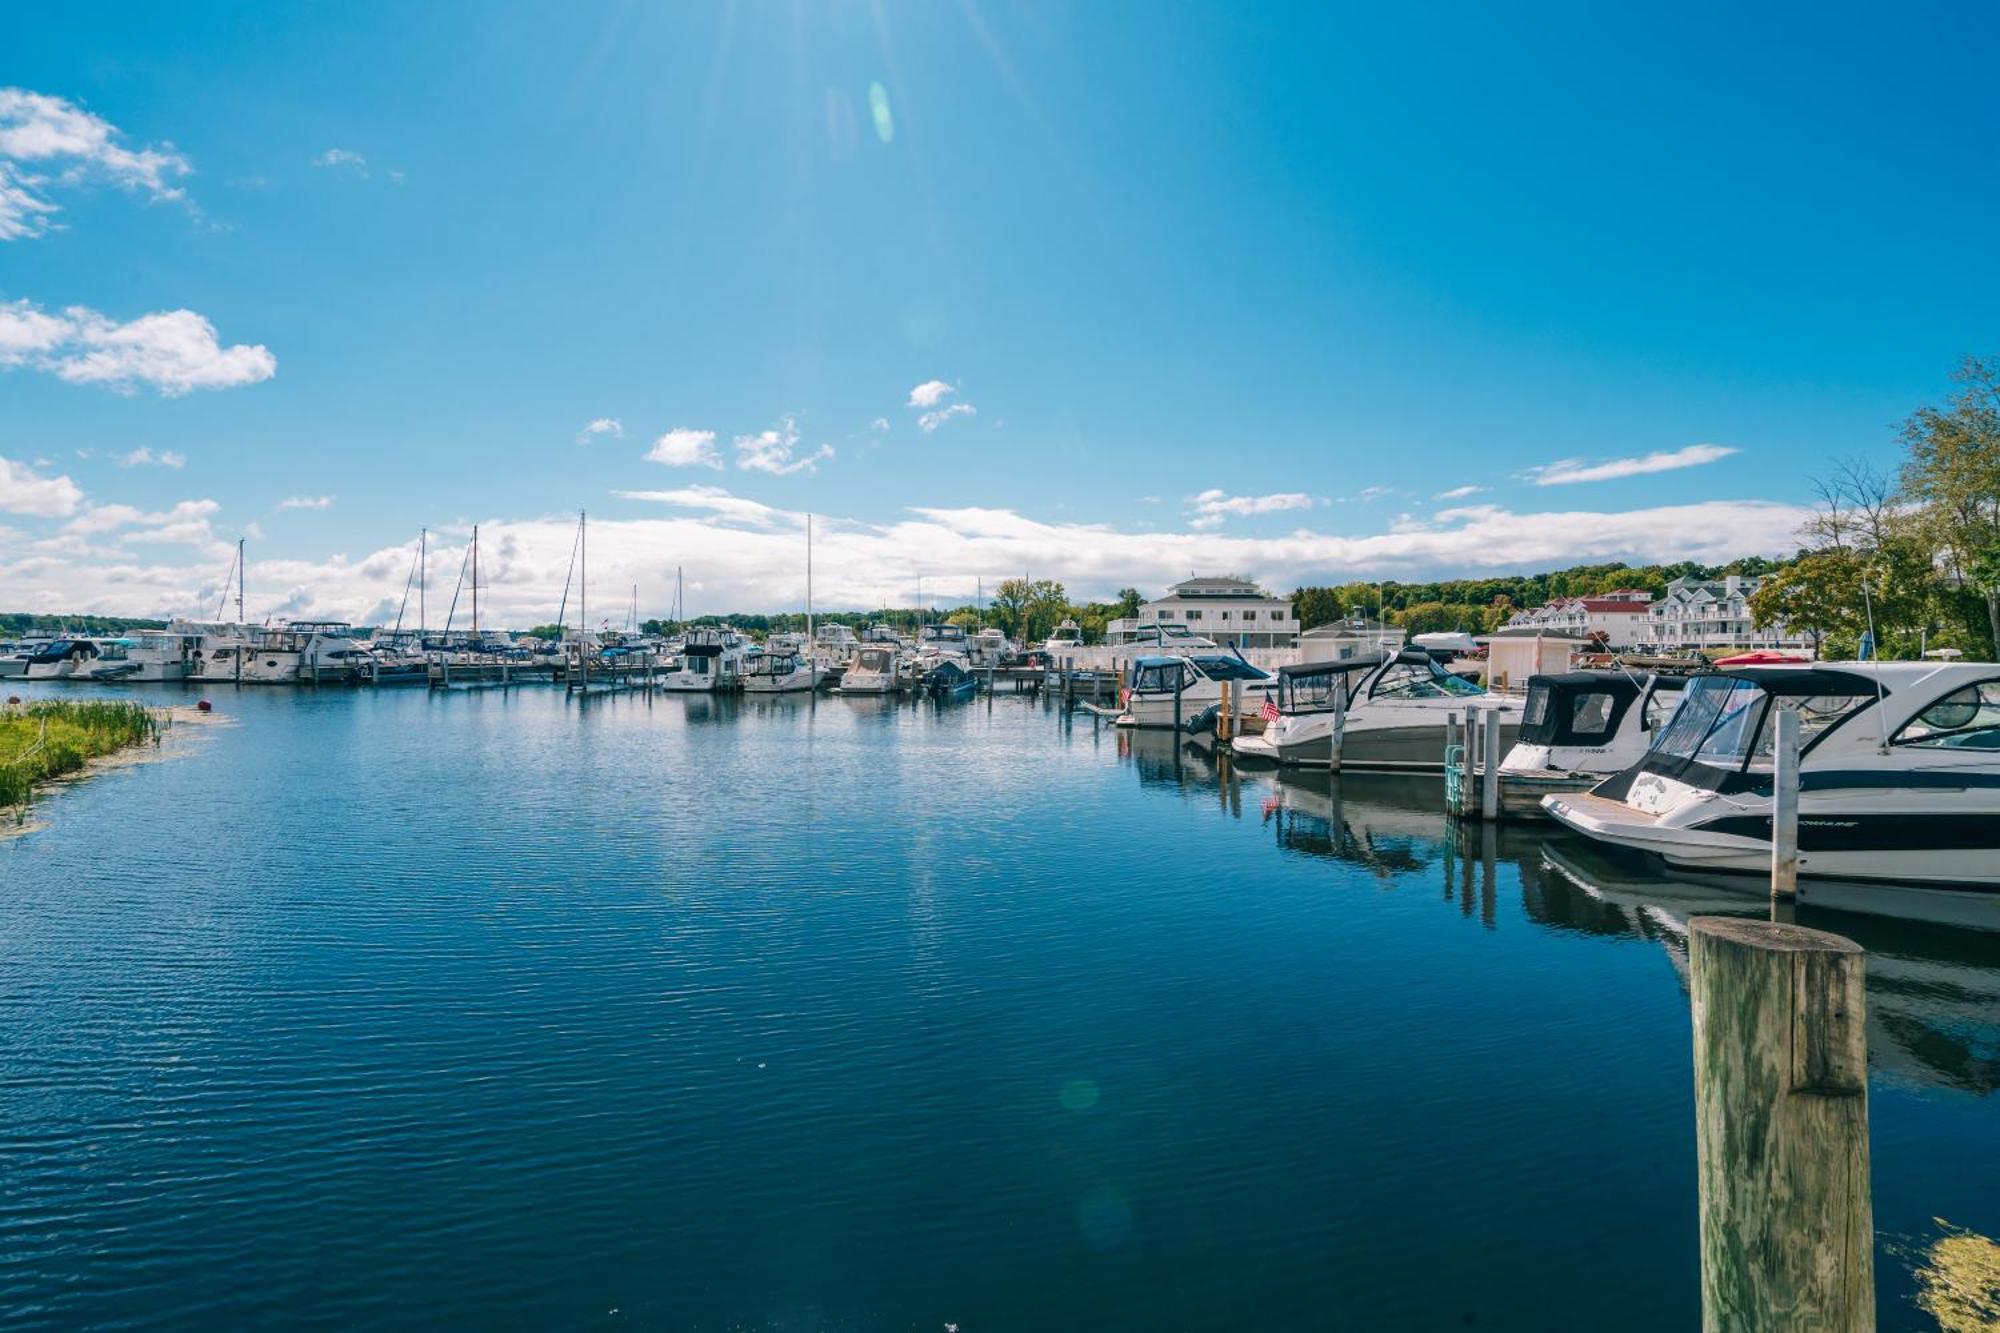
{"x": 41, "y": 741}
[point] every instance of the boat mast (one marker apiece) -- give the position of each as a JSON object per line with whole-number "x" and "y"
{"x": 582, "y": 595}
{"x": 475, "y": 586}
{"x": 809, "y": 583}
{"x": 423, "y": 569}
{"x": 243, "y": 637}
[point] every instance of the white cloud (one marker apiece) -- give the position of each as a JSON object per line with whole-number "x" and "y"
{"x": 602, "y": 426}
{"x": 930, "y": 393}
{"x": 1572, "y": 470}
{"x": 744, "y": 555}
{"x": 772, "y": 450}
{"x": 684, "y": 446}
{"x": 56, "y": 135}
{"x": 1458, "y": 492}
{"x": 343, "y": 159}
{"x": 879, "y": 424}
{"x": 307, "y": 502}
{"x": 1211, "y": 507}
{"x": 1370, "y": 494}
{"x": 173, "y": 351}
{"x": 930, "y": 421}
{"x": 24, "y": 491}
{"x": 145, "y": 457}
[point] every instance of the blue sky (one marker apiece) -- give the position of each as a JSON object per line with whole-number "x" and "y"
{"x": 1225, "y": 288}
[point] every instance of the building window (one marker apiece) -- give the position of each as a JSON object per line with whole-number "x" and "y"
{"x": 1194, "y": 615}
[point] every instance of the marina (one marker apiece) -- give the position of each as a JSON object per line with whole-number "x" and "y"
{"x": 691, "y": 1052}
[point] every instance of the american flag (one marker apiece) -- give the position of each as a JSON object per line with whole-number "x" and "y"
{"x": 1269, "y": 712}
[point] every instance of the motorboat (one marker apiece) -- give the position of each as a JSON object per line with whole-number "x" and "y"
{"x": 1156, "y": 683}
{"x": 990, "y": 647}
{"x": 1578, "y": 728}
{"x": 780, "y": 672}
{"x": 945, "y": 640}
{"x": 711, "y": 661}
{"x": 1064, "y": 637}
{"x": 1391, "y": 711}
{"x": 60, "y": 658}
{"x": 1899, "y": 775}
{"x": 876, "y": 669}
{"x": 945, "y": 677}
{"x": 149, "y": 655}
{"x": 1167, "y": 638}
{"x": 14, "y": 656}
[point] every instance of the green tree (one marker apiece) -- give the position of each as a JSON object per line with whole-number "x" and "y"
{"x": 1818, "y": 595}
{"x": 1951, "y": 475}
{"x": 1129, "y": 602}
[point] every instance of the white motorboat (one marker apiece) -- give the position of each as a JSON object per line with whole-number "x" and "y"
{"x": 1392, "y": 711}
{"x": 945, "y": 640}
{"x": 780, "y": 672}
{"x": 990, "y": 647}
{"x": 59, "y": 658}
{"x": 1578, "y": 728}
{"x": 14, "y": 656}
{"x": 1150, "y": 695}
{"x": 1899, "y": 776}
{"x": 1063, "y": 638}
{"x": 149, "y": 655}
{"x": 1167, "y": 638}
{"x": 876, "y": 669}
{"x": 711, "y": 661}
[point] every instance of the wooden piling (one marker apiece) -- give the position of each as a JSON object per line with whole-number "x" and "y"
{"x": 1489, "y": 777}
{"x": 1781, "y": 1127}
{"x": 1225, "y": 717}
{"x": 1180, "y": 678}
{"x": 1785, "y": 805}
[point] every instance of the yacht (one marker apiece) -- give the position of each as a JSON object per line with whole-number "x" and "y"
{"x": 990, "y": 647}
{"x": 711, "y": 661}
{"x": 1064, "y": 637}
{"x": 150, "y": 655}
{"x": 780, "y": 671}
{"x": 1392, "y": 711}
{"x": 834, "y": 643}
{"x": 1149, "y": 696}
{"x": 945, "y": 640}
{"x": 876, "y": 669}
{"x": 14, "y": 656}
{"x": 1899, "y": 775}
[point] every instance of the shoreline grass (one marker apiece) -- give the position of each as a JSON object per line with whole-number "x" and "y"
{"x": 42, "y": 741}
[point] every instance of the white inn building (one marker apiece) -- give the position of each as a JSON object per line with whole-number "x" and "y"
{"x": 1694, "y": 613}
{"x": 1228, "y": 610}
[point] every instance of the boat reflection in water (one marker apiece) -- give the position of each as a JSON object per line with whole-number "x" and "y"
{"x": 1933, "y": 989}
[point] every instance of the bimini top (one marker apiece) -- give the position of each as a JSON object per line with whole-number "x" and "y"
{"x": 1810, "y": 681}
{"x": 1228, "y": 668}
{"x": 1336, "y": 666}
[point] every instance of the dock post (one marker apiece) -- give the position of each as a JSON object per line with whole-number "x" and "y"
{"x": 1179, "y": 678}
{"x": 1781, "y": 1127}
{"x": 1785, "y": 805}
{"x": 1489, "y": 781}
{"x": 1226, "y": 716}
{"x": 1339, "y": 725}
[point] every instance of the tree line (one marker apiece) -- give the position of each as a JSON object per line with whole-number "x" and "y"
{"x": 1914, "y": 553}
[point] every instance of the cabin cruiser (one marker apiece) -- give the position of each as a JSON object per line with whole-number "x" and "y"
{"x": 1391, "y": 711}
{"x": 1064, "y": 637}
{"x": 1899, "y": 775}
{"x": 990, "y": 647}
{"x": 1150, "y": 696}
{"x": 876, "y": 669}
{"x": 944, "y": 639}
{"x": 150, "y": 655}
{"x": 780, "y": 672}
{"x": 59, "y": 658}
{"x": 14, "y": 656}
{"x": 1445, "y": 645}
{"x": 711, "y": 660}
{"x": 1578, "y": 728}
{"x": 834, "y": 643}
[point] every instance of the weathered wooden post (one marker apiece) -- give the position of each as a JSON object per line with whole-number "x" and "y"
{"x": 1785, "y": 805}
{"x": 1339, "y": 723}
{"x": 1179, "y": 677}
{"x": 1781, "y": 1127}
{"x": 1489, "y": 777}
{"x": 1225, "y": 717}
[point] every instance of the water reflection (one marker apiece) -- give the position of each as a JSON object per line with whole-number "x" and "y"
{"x": 1933, "y": 990}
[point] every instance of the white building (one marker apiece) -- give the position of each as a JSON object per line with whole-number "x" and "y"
{"x": 1715, "y": 613}
{"x": 1620, "y": 619}
{"x": 1228, "y": 610}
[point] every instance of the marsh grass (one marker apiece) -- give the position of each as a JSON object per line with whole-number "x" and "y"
{"x": 42, "y": 741}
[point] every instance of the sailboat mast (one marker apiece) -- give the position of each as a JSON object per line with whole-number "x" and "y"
{"x": 239, "y": 581}
{"x": 423, "y": 571}
{"x": 582, "y": 596}
{"x": 809, "y": 582}
{"x": 475, "y": 585}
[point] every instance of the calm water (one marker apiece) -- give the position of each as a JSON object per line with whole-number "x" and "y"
{"x": 493, "y": 1009}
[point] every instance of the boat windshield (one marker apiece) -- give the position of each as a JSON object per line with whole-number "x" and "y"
{"x": 1722, "y": 721}
{"x": 1228, "y": 668}
{"x": 874, "y": 659}
{"x": 1310, "y": 693}
{"x": 1419, "y": 680}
